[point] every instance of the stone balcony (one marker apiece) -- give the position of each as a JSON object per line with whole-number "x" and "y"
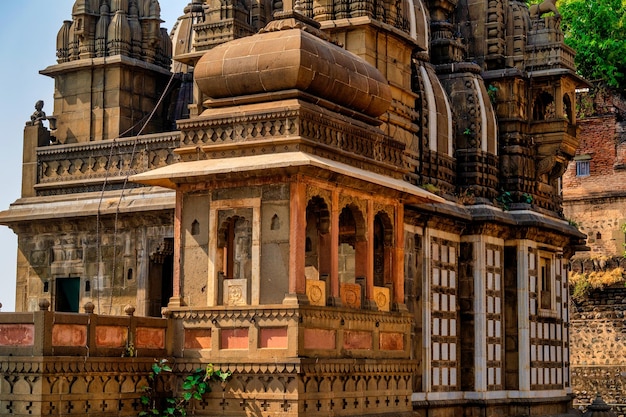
{"x": 262, "y": 332}
{"x": 83, "y": 167}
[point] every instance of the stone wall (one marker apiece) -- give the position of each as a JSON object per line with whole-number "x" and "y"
{"x": 598, "y": 347}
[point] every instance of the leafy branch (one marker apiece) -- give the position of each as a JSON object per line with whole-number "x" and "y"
{"x": 167, "y": 403}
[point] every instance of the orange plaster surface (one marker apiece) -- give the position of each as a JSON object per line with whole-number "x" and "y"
{"x": 357, "y": 340}
{"x": 69, "y": 335}
{"x": 319, "y": 339}
{"x": 274, "y": 338}
{"x": 111, "y": 336}
{"x": 150, "y": 338}
{"x": 234, "y": 339}
{"x": 17, "y": 335}
{"x": 198, "y": 339}
{"x": 391, "y": 341}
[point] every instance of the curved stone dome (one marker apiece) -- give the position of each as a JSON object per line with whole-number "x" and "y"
{"x": 286, "y": 56}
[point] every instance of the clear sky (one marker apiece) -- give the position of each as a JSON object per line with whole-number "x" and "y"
{"x": 28, "y": 31}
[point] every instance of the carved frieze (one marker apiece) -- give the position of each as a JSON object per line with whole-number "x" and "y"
{"x": 62, "y": 166}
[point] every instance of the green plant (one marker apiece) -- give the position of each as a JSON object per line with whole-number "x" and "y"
{"x": 581, "y": 289}
{"x": 504, "y": 200}
{"x": 492, "y": 90}
{"x": 596, "y": 30}
{"x": 526, "y": 198}
{"x": 468, "y": 132}
{"x": 573, "y": 222}
{"x": 129, "y": 350}
{"x": 431, "y": 188}
{"x": 169, "y": 403}
{"x": 582, "y": 283}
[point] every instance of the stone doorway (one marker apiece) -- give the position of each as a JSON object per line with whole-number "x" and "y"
{"x": 160, "y": 277}
{"x": 67, "y": 295}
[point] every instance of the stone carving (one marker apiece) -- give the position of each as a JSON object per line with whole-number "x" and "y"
{"x": 316, "y": 291}
{"x": 382, "y": 298}
{"x": 351, "y": 295}
{"x": 235, "y": 292}
{"x": 89, "y": 161}
{"x": 38, "y": 115}
{"x": 537, "y": 10}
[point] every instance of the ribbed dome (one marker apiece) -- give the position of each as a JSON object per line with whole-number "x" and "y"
{"x": 286, "y": 56}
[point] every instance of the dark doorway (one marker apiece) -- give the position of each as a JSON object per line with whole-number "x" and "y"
{"x": 67, "y": 296}
{"x": 160, "y": 278}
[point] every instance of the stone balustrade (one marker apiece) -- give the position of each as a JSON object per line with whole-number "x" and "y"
{"x": 46, "y": 333}
{"x": 90, "y": 365}
{"x": 81, "y": 167}
{"x": 284, "y": 331}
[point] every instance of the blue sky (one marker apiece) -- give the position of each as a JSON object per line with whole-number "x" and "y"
{"x": 28, "y": 31}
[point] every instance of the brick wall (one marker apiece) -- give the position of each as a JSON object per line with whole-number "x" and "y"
{"x": 599, "y": 141}
{"x": 597, "y": 202}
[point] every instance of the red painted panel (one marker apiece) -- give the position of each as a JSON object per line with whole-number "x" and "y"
{"x": 357, "y": 340}
{"x": 111, "y": 336}
{"x": 391, "y": 341}
{"x": 273, "y": 338}
{"x": 320, "y": 339}
{"x": 150, "y": 338}
{"x": 17, "y": 335}
{"x": 198, "y": 338}
{"x": 234, "y": 339}
{"x": 69, "y": 335}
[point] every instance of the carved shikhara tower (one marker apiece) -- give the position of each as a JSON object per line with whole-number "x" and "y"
{"x": 358, "y": 215}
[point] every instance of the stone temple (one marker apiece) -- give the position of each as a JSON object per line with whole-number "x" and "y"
{"x": 353, "y": 206}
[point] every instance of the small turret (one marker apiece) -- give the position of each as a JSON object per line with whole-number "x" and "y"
{"x": 119, "y": 36}
{"x": 119, "y": 46}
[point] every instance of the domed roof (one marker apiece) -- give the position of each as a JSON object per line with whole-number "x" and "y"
{"x": 290, "y": 54}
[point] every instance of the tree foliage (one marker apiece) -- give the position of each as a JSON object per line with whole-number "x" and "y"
{"x": 596, "y": 29}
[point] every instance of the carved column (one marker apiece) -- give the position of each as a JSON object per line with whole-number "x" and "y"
{"x": 334, "y": 247}
{"x": 369, "y": 277}
{"x": 177, "y": 298}
{"x": 398, "y": 262}
{"x": 297, "y": 238}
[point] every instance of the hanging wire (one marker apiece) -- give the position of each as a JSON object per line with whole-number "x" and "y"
{"x": 128, "y": 171}
{"x": 145, "y": 121}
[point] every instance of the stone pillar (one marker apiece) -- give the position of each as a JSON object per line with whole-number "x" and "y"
{"x": 297, "y": 234}
{"x": 479, "y": 272}
{"x": 427, "y": 312}
{"x": 334, "y": 248}
{"x": 369, "y": 277}
{"x": 523, "y": 312}
{"x": 34, "y": 136}
{"x": 177, "y": 296}
{"x": 398, "y": 259}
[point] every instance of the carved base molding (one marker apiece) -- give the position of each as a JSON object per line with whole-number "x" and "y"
{"x": 82, "y": 386}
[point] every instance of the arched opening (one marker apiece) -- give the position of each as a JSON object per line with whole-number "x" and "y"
{"x": 234, "y": 259}
{"x": 318, "y": 242}
{"x": 383, "y": 241}
{"x": 235, "y": 248}
{"x": 567, "y": 108}
{"x": 160, "y": 277}
{"x": 543, "y": 107}
{"x": 352, "y": 256}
